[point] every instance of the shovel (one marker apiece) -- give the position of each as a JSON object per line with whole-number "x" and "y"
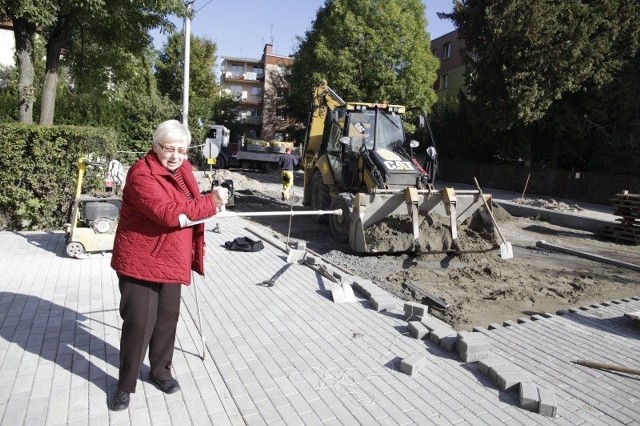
{"x": 341, "y": 290}
{"x": 506, "y": 251}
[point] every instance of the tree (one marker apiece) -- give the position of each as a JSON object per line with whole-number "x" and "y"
{"x": 524, "y": 58}
{"x": 202, "y": 86}
{"x": 68, "y": 25}
{"x": 368, "y": 50}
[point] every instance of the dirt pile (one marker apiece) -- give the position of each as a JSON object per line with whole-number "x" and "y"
{"x": 549, "y": 204}
{"x": 396, "y": 235}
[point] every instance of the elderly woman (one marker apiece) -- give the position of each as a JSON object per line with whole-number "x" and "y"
{"x": 153, "y": 256}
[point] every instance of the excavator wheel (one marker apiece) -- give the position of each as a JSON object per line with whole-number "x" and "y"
{"x": 340, "y": 224}
{"x": 320, "y": 197}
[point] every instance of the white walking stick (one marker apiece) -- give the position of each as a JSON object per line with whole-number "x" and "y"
{"x": 201, "y": 331}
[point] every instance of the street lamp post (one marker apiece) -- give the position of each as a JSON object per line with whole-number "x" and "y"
{"x": 185, "y": 74}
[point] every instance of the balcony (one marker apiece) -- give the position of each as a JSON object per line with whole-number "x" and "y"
{"x": 251, "y": 119}
{"x": 247, "y": 77}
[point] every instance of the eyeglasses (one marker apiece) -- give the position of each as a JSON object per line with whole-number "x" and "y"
{"x": 173, "y": 149}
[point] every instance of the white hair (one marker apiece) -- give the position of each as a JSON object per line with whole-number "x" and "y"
{"x": 171, "y": 131}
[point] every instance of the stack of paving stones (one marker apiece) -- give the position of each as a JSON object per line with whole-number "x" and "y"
{"x": 473, "y": 347}
{"x": 627, "y": 207}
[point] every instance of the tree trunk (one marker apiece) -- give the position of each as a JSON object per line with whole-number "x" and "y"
{"x": 58, "y": 37}
{"x": 48, "y": 101}
{"x": 24, "y": 35}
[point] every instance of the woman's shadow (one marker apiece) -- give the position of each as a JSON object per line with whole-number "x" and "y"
{"x": 57, "y": 334}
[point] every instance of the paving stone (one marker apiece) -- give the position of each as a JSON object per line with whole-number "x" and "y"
{"x": 382, "y": 302}
{"x": 548, "y": 404}
{"x": 502, "y": 368}
{"x": 472, "y": 347}
{"x": 417, "y": 329}
{"x": 485, "y": 365}
{"x": 432, "y": 322}
{"x": 437, "y": 334}
{"x": 414, "y": 311}
{"x": 412, "y": 364}
{"x": 448, "y": 343}
{"x": 310, "y": 259}
{"x": 510, "y": 381}
{"x": 529, "y": 399}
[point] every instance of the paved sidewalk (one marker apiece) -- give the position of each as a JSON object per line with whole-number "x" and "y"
{"x": 284, "y": 354}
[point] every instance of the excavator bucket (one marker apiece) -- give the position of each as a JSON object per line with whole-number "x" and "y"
{"x": 415, "y": 220}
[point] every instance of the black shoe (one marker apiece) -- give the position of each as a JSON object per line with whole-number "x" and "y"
{"x": 166, "y": 386}
{"x": 120, "y": 400}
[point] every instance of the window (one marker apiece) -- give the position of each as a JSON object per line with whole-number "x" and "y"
{"x": 256, "y": 91}
{"x": 237, "y": 68}
{"x": 446, "y": 51}
{"x": 236, "y": 91}
{"x": 444, "y": 81}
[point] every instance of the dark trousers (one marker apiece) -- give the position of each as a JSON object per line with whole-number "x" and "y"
{"x": 149, "y": 314}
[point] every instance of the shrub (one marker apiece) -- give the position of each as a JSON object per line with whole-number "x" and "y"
{"x": 39, "y": 171}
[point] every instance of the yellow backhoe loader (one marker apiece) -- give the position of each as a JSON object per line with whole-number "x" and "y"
{"x": 356, "y": 159}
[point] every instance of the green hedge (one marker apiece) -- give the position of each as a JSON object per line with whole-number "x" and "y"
{"x": 39, "y": 172}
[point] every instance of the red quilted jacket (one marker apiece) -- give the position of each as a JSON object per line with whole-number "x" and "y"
{"x": 149, "y": 243}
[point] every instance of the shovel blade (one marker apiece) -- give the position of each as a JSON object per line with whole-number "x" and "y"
{"x": 337, "y": 293}
{"x": 349, "y": 295}
{"x": 296, "y": 256}
{"x": 506, "y": 251}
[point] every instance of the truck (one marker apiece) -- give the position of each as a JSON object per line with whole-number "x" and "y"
{"x": 246, "y": 153}
{"x": 356, "y": 159}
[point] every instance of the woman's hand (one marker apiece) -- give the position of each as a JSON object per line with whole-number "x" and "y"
{"x": 220, "y": 195}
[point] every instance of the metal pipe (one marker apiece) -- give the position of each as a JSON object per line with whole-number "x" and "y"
{"x": 184, "y": 220}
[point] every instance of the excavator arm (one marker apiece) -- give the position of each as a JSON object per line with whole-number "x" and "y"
{"x": 324, "y": 100}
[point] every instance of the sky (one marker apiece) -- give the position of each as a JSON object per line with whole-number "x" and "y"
{"x": 242, "y": 29}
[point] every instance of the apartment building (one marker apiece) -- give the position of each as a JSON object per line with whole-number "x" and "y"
{"x": 258, "y": 86}
{"x": 451, "y": 72}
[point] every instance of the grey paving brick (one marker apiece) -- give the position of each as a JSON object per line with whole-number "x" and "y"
{"x": 485, "y": 365}
{"x": 417, "y": 329}
{"x": 510, "y": 381}
{"x": 412, "y": 364}
{"x": 439, "y": 333}
{"x": 529, "y": 399}
{"x": 548, "y": 405}
{"x": 289, "y": 415}
{"x": 448, "y": 343}
{"x": 414, "y": 311}
{"x": 382, "y": 302}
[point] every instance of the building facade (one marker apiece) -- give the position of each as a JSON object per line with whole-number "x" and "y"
{"x": 259, "y": 87}
{"x": 450, "y": 79}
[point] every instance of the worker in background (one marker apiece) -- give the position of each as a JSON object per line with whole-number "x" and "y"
{"x": 153, "y": 256}
{"x": 288, "y": 163}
